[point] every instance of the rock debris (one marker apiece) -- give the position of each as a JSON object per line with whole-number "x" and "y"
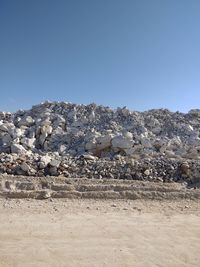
{"x": 65, "y": 139}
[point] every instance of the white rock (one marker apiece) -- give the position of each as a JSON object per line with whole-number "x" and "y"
{"x": 55, "y": 163}
{"x": 104, "y": 141}
{"x": 3, "y": 127}
{"x": 46, "y": 129}
{"x": 91, "y": 135}
{"x": 45, "y": 159}
{"x": 17, "y": 132}
{"x": 6, "y": 127}
{"x": 121, "y": 142}
{"x": 89, "y": 157}
{"x": 170, "y": 154}
{"x": 190, "y": 128}
{"x": 28, "y": 142}
{"x": 46, "y": 194}
{"x": 92, "y": 116}
{"x": 128, "y": 135}
{"x": 147, "y": 172}
{"x": 62, "y": 149}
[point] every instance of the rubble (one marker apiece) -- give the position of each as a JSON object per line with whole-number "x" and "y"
{"x": 59, "y": 138}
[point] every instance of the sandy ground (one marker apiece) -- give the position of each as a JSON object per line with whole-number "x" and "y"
{"x": 99, "y": 233}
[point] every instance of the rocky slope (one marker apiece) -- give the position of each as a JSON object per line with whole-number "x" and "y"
{"x": 98, "y": 142}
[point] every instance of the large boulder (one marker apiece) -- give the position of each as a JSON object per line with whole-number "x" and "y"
{"x": 103, "y": 142}
{"x": 120, "y": 143}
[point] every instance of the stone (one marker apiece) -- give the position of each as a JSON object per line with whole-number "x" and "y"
{"x": 45, "y": 131}
{"x": 146, "y": 142}
{"x": 53, "y": 171}
{"x": 90, "y": 146}
{"x": 25, "y": 167}
{"x": 147, "y": 172}
{"x": 92, "y": 116}
{"x": 3, "y": 127}
{"x": 169, "y": 154}
{"x": 130, "y": 151}
{"x": 103, "y": 142}
{"x": 185, "y": 168}
{"x": 62, "y": 149}
{"x": 121, "y": 142}
{"x": 6, "y": 127}
{"x": 55, "y": 163}
{"x": 6, "y": 140}
{"x": 44, "y": 161}
{"x": 18, "y": 149}
{"x": 17, "y": 132}
{"x": 28, "y": 142}
{"x": 88, "y": 156}
{"x": 128, "y": 135}
{"x": 26, "y": 121}
{"x": 10, "y": 185}
{"x": 46, "y": 194}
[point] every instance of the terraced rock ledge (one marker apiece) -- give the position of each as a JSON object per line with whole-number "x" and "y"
{"x": 65, "y": 150}
{"x": 62, "y": 187}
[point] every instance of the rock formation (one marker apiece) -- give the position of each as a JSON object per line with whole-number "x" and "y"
{"x": 94, "y": 141}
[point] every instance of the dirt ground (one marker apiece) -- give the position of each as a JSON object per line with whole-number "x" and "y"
{"x": 97, "y": 233}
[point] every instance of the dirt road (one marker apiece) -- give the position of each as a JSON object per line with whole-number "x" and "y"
{"x": 88, "y": 233}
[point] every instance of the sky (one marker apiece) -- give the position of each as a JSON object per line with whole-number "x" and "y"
{"x": 142, "y": 54}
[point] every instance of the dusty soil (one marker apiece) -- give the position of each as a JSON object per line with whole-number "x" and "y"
{"x": 92, "y": 233}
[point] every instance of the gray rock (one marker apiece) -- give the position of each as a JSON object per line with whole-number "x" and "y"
{"x": 18, "y": 149}
{"x": 25, "y": 167}
{"x": 26, "y": 121}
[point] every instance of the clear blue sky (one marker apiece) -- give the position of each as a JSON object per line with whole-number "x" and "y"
{"x": 141, "y": 54}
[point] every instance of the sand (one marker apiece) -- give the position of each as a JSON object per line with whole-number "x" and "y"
{"x": 97, "y": 233}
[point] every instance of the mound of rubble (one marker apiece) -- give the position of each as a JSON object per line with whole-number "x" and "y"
{"x": 98, "y": 142}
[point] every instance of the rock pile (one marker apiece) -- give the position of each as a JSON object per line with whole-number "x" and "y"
{"x": 96, "y": 141}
